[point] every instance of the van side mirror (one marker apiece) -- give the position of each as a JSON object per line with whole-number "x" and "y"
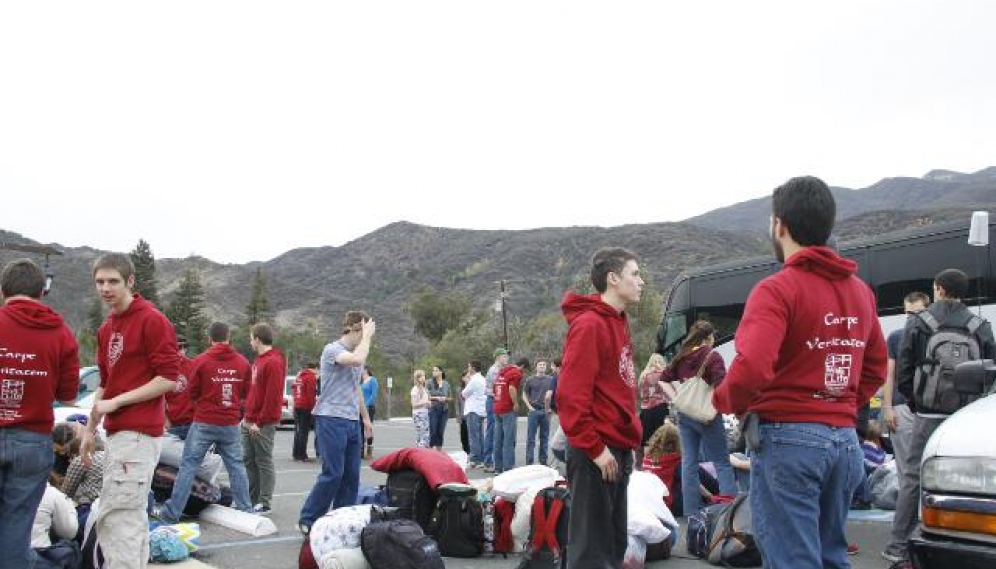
{"x": 975, "y": 377}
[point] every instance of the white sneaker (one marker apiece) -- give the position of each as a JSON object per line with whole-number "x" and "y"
{"x": 261, "y": 510}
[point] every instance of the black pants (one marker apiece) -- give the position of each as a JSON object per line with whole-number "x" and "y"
{"x": 302, "y": 424}
{"x": 371, "y": 410}
{"x": 464, "y": 435}
{"x": 598, "y": 512}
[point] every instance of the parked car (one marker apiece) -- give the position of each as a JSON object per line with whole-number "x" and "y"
{"x": 287, "y": 411}
{"x": 958, "y": 481}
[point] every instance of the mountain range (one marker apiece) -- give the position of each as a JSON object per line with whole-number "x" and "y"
{"x": 378, "y": 272}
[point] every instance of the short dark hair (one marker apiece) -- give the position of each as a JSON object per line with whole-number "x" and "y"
{"x": 608, "y": 260}
{"x": 263, "y": 333}
{"x": 311, "y": 364}
{"x": 954, "y": 282}
{"x": 352, "y": 318}
{"x": 116, "y": 261}
{"x": 218, "y": 332}
{"x": 476, "y": 365}
{"x": 522, "y": 362}
{"x": 22, "y": 277}
{"x": 917, "y": 296}
{"x": 806, "y": 207}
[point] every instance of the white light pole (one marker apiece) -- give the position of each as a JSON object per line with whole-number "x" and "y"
{"x": 978, "y": 236}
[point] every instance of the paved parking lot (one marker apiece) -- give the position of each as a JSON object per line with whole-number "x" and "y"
{"x": 223, "y": 548}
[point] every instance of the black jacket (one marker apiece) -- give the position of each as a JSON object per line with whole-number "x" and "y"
{"x": 913, "y": 346}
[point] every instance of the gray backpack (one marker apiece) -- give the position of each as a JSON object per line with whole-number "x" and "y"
{"x": 947, "y": 346}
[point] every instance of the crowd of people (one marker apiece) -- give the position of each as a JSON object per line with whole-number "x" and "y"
{"x": 798, "y": 401}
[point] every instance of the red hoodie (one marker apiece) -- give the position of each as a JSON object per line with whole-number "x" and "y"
{"x": 39, "y": 364}
{"x": 509, "y": 376}
{"x": 596, "y": 391}
{"x": 809, "y": 348}
{"x": 219, "y": 379}
{"x": 133, "y": 348}
{"x": 179, "y": 408}
{"x": 266, "y": 390}
{"x": 305, "y": 389}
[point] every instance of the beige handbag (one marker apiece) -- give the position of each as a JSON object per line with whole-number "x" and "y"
{"x": 694, "y": 398}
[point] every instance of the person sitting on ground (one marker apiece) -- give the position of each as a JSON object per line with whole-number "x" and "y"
{"x": 663, "y": 458}
{"x": 56, "y": 517}
{"x": 871, "y": 446}
{"x": 82, "y": 484}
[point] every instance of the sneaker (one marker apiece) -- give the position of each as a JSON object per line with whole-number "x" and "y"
{"x": 261, "y": 510}
{"x": 893, "y": 556}
{"x": 159, "y": 513}
{"x": 489, "y": 468}
{"x": 304, "y": 528}
{"x": 852, "y": 549}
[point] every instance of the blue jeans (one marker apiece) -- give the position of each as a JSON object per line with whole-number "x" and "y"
{"x": 802, "y": 480}
{"x": 474, "y": 436}
{"x": 505, "y": 441}
{"x": 180, "y": 431}
{"x": 340, "y": 441}
{"x": 706, "y": 441}
{"x": 489, "y": 433}
{"x": 538, "y": 419}
{"x": 227, "y": 443}
{"x": 438, "y": 414}
{"x": 25, "y": 461}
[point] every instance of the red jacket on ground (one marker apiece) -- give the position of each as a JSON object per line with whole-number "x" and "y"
{"x": 219, "y": 379}
{"x": 305, "y": 389}
{"x": 179, "y": 408}
{"x": 266, "y": 389}
{"x": 133, "y": 348}
{"x": 508, "y": 376}
{"x": 596, "y": 391}
{"x": 810, "y": 347}
{"x": 39, "y": 364}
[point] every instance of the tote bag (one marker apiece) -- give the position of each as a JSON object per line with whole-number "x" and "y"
{"x": 694, "y": 398}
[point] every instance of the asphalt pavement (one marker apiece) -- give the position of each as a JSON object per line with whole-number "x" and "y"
{"x": 227, "y": 549}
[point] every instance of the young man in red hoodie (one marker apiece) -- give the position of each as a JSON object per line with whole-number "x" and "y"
{"x": 596, "y": 399}
{"x": 305, "y": 389}
{"x": 506, "y": 390}
{"x": 217, "y": 386}
{"x": 39, "y": 364}
{"x": 263, "y": 404}
{"x": 810, "y": 353}
{"x": 179, "y": 408}
{"x": 139, "y": 363}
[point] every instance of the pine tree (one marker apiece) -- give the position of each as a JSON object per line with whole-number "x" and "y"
{"x": 145, "y": 272}
{"x": 186, "y": 311}
{"x": 258, "y": 309}
{"x": 95, "y": 316}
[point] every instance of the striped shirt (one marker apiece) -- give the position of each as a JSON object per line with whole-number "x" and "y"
{"x": 339, "y": 385}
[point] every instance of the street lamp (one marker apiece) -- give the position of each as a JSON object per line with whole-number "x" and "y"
{"x": 978, "y": 236}
{"x": 500, "y": 306}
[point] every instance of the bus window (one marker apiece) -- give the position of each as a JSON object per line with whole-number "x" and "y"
{"x": 673, "y": 332}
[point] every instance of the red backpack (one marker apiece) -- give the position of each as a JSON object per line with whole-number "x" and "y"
{"x": 547, "y": 546}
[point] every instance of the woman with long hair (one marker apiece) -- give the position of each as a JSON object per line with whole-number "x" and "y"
{"x": 439, "y": 394}
{"x": 705, "y": 441}
{"x": 654, "y": 398}
{"x": 420, "y": 409}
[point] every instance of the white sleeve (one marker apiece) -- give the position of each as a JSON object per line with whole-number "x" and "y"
{"x": 64, "y": 520}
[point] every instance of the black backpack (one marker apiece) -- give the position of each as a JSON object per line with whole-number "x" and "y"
{"x": 201, "y": 496}
{"x": 458, "y": 522}
{"x": 947, "y": 346}
{"x": 399, "y": 544}
{"x": 409, "y": 491}
{"x": 547, "y": 546}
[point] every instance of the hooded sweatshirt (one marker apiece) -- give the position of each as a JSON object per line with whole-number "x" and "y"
{"x": 179, "y": 408}
{"x": 266, "y": 390}
{"x": 596, "y": 391}
{"x": 305, "y": 389}
{"x": 509, "y": 376}
{"x": 39, "y": 364}
{"x": 809, "y": 348}
{"x": 219, "y": 379}
{"x": 133, "y": 348}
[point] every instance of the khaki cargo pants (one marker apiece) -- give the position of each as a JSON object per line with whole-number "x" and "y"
{"x": 122, "y": 520}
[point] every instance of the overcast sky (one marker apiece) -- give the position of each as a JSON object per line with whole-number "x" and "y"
{"x": 240, "y": 130}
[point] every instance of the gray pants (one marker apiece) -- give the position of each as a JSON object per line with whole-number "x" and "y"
{"x": 259, "y": 464}
{"x": 908, "y": 503}
{"x": 902, "y": 437}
